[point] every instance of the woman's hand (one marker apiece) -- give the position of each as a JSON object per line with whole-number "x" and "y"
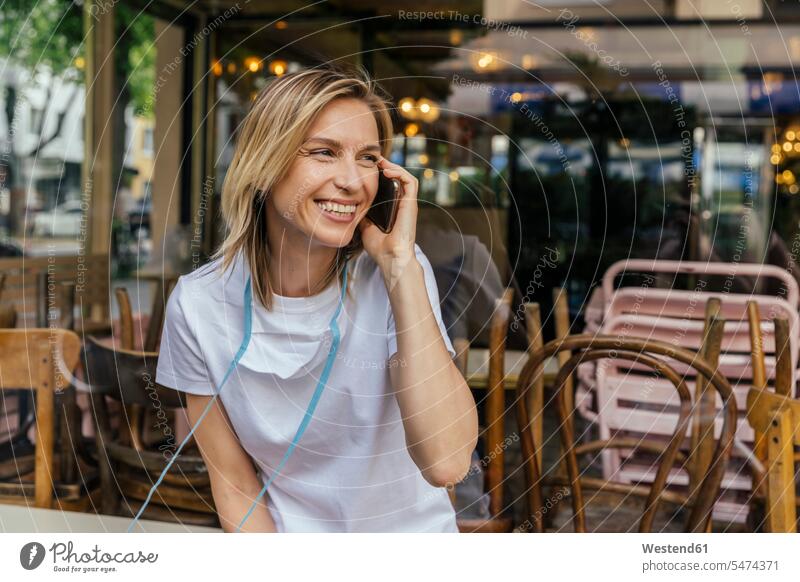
{"x": 394, "y": 250}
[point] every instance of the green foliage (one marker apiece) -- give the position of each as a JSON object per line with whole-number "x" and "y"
{"x": 42, "y": 33}
{"x": 37, "y": 34}
{"x": 136, "y": 55}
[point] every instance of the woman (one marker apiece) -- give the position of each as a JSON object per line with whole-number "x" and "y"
{"x": 396, "y": 422}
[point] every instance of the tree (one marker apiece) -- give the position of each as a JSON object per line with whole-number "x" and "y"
{"x": 45, "y": 38}
{"x": 42, "y": 37}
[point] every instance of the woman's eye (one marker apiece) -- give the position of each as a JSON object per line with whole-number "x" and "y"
{"x": 326, "y": 153}
{"x": 371, "y": 158}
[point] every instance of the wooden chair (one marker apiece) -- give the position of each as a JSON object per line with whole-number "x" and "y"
{"x": 59, "y": 287}
{"x": 88, "y": 273}
{"x": 164, "y": 284}
{"x": 492, "y": 433}
{"x": 17, "y": 455}
{"x": 13, "y": 432}
{"x": 133, "y": 411}
{"x": 129, "y": 470}
{"x": 8, "y": 317}
{"x": 643, "y": 353}
{"x": 702, "y": 433}
{"x": 533, "y": 323}
{"x": 775, "y": 419}
{"x": 37, "y": 360}
{"x": 8, "y": 313}
{"x": 461, "y": 360}
{"x": 562, "y": 327}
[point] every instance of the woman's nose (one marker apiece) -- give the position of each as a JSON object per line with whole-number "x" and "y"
{"x": 349, "y": 175}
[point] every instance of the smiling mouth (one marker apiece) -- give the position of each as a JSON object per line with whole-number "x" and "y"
{"x": 337, "y": 209}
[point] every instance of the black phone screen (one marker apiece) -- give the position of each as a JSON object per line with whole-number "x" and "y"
{"x": 384, "y": 208}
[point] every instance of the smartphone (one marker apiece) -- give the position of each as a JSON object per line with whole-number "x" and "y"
{"x": 383, "y": 211}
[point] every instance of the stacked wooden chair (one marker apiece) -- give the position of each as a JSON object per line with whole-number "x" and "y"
{"x": 774, "y": 415}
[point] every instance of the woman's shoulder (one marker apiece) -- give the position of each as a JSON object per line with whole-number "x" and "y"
{"x": 215, "y": 281}
{"x": 211, "y": 280}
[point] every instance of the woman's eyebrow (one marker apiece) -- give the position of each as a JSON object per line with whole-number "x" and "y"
{"x": 336, "y": 144}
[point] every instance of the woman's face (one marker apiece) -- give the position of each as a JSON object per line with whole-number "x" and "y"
{"x": 334, "y": 179}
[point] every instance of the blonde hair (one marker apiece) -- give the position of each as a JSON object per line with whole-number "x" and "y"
{"x": 268, "y": 143}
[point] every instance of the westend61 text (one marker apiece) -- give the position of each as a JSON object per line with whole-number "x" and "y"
{"x": 670, "y": 549}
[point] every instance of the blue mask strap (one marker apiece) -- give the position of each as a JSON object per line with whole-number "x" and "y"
{"x": 312, "y": 405}
{"x": 248, "y": 329}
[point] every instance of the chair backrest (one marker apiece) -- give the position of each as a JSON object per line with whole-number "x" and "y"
{"x": 701, "y": 268}
{"x": 90, "y": 274}
{"x": 650, "y": 353}
{"x": 777, "y": 417}
{"x": 495, "y": 407}
{"x": 562, "y": 327}
{"x": 127, "y": 376}
{"x": 41, "y": 360}
{"x": 533, "y": 326}
{"x": 8, "y": 313}
{"x": 461, "y": 359}
{"x": 8, "y": 317}
{"x": 649, "y": 312}
{"x": 126, "y": 331}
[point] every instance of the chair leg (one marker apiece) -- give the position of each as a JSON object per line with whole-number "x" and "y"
{"x": 781, "y": 508}
{"x": 109, "y": 501}
{"x": 69, "y": 440}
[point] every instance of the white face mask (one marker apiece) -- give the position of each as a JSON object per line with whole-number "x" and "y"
{"x": 294, "y": 338}
{"x": 290, "y": 342}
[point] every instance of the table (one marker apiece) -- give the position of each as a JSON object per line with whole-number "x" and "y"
{"x": 20, "y": 519}
{"x": 478, "y": 368}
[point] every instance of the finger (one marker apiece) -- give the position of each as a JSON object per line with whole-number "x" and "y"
{"x": 409, "y": 183}
{"x": 388, "y": 166}
{"x": 401, "y": 174}
{"x": 365, "y": 224}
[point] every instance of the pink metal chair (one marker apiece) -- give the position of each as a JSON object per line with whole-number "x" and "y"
{"x": 676, "y": 316}
{"x": 792, "y": 292}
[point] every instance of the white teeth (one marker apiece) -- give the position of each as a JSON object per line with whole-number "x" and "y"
{"x": 338, "y": 208}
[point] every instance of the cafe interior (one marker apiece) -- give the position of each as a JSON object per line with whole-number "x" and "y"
{"x": 607, "y": 196}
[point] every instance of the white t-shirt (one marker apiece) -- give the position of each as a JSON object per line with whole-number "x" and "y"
{"x": 351, "y": 470}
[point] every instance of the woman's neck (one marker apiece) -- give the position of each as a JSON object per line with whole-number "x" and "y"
{"x": 297, "y": 268}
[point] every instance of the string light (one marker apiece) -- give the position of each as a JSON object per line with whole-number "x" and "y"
{"x": 407, "y": 107}
{"x": 278, "y": 67}
{"x": 252, "y": 64}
